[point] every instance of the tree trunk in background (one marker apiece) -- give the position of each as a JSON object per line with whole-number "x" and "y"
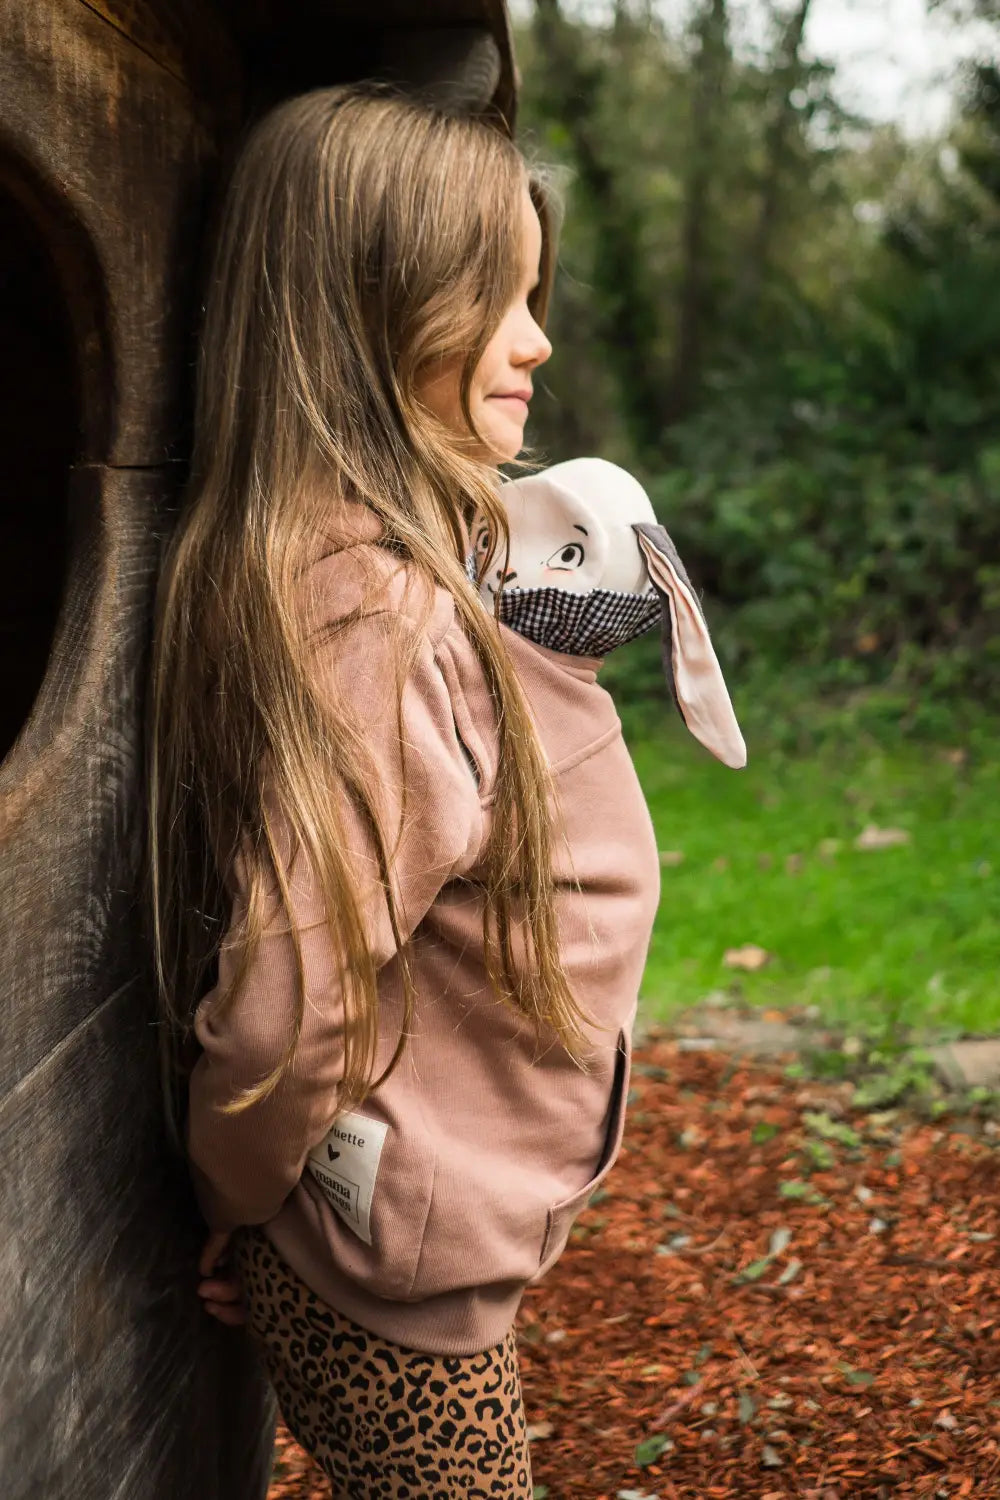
{"x": 627, "y": 315}
{"x": 787, "y": 76}
{"x": 710, "y": 68}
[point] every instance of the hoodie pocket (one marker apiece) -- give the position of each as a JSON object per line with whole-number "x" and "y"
{"x": 560, "y": 1216}
{"x": 378, "y": 1180}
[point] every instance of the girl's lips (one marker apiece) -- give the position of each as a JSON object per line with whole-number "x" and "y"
{"x": 517, "y": 400}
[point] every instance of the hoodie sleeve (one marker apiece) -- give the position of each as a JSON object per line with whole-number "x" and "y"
{"x": 244, "y": 1166}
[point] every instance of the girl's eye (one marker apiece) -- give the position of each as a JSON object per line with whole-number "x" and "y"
{"x": 482, "y": 539}
{"x": 570, "y": 556}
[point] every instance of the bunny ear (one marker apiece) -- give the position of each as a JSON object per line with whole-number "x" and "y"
{"x": 689, "y": 661}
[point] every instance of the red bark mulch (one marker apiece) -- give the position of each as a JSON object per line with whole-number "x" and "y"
{"x": 773, "y": 1297}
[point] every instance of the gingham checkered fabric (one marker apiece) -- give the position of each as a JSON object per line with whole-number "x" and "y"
{"x": 590, "y": 624}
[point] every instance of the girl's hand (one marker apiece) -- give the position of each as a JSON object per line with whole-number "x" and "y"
{"x": 222, "y": 1293}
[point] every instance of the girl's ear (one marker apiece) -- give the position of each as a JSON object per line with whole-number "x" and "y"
{"x": 690, "y": 664}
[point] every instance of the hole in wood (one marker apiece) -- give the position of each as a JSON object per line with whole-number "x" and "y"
{"x": 39, "y": 426}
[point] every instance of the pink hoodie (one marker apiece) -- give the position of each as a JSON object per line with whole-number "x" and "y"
{"x": 423, "y": 1215}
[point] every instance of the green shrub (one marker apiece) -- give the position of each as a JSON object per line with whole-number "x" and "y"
{"x": 828, "y": 551}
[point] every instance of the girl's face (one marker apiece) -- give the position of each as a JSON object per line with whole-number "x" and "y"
{"x": 501, "y": 385}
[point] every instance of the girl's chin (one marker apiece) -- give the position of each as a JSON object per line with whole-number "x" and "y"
{"x": 505, "y": 442}
{"x": 501, "y": 441}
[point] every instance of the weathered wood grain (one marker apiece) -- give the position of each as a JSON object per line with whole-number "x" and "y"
{"x": 95, "y": 121}
{"x": 114, "y": 117}
{"x": 71, "y": 811}
{"x": 114, "y": 1383}
{"x": 187, "y": 37}
{"x": 460, "y": 65}
{"x": 327, "y": 41}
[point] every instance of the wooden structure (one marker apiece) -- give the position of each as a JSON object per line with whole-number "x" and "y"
{"x": 114, "y": 118}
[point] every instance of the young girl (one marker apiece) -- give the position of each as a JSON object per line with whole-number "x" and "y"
{"x": 413, "y": 838}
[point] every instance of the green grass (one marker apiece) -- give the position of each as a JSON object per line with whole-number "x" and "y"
{"x": 902, "y": 941}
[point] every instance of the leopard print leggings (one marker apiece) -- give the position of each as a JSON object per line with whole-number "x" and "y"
{"x": 382, "y": 1420}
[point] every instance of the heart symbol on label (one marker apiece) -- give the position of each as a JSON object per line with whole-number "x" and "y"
{"x": 331, "y": 1153}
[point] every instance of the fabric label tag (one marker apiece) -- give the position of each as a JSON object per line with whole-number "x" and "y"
{"x": 345, "y": 1164}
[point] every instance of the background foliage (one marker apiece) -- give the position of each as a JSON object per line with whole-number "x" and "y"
{"x": 788, "y": 324}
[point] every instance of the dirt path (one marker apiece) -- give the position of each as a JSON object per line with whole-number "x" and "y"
{"x": 774, "y": 1297}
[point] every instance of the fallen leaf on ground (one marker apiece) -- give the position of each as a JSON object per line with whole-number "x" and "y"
{"x": 873, "y": 837}
{"x": 749, "y": 957}
{"x": 671, "y": 856}
{"x": 858, "y": 1399}
{"x": 538, "y": 1430}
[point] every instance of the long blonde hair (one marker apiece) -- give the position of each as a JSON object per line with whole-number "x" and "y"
{"x": 363, "y": 233}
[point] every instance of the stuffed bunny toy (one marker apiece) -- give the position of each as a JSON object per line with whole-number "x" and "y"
{"x": 590, "y": 568}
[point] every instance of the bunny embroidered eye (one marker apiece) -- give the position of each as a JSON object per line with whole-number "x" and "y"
{"x": 570, "y": 556}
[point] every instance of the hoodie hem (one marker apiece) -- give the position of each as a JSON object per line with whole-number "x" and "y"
{"x": 465, "y": 1321}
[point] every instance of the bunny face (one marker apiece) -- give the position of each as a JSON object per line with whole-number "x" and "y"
{"x": 591, "y": 568}
{"x": 576, "y": 580}
{"x": 571, "y": 529}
